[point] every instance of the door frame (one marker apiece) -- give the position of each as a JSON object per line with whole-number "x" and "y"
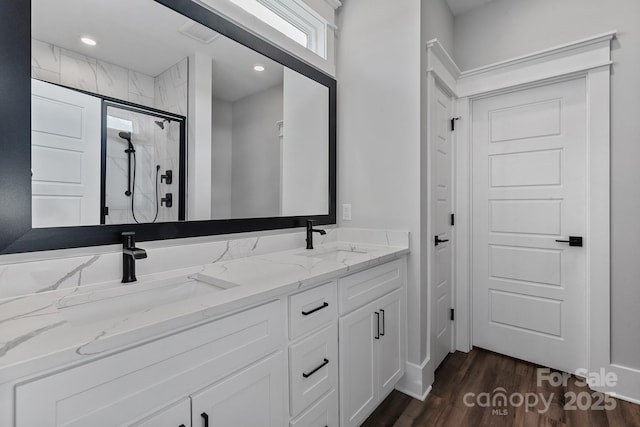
{"x": 590, "y": 59}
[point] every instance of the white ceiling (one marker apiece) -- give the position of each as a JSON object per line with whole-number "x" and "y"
{"x": 143, "y": 36}
{"x": 458, "y": 7}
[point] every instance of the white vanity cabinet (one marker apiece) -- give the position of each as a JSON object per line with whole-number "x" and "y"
{"x": 372, "y": 340}
{"x": 324, "y": 356}
{"x": 128, "y": 387}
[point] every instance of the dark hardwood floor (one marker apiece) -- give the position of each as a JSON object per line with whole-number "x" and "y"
{"x": 456, "y": 399}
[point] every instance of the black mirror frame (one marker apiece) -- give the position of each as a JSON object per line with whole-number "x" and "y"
{"x": 16, "y": 234}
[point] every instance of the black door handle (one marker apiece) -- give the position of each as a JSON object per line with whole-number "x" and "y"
{"x": 306, "y": 313}
{"x": 383, "y": 327}
{"x": 377, "y": 325}
{"x": 573, "y": 241}
{"x": 322, "y": 365}
{"x": 438, "y": 241}
{"x": 205, "y": 417}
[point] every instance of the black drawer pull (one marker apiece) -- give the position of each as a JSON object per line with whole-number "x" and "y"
{"x": 306, "y": 313}
{"x": 181, "y": 425}
{"x": 383, "y": 326}
{"x": 205, "y": 417}
{"x": 438, "y": 241}
{"x": 377, "y": 325}
{"x": 326, "y": 361}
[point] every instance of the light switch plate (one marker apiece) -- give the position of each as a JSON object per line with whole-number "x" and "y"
{"x": 346, "y": 212}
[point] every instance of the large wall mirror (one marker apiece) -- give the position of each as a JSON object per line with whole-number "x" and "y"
{"x": 161, "y": 117}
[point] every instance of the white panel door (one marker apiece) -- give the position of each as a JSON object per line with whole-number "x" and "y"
{"x": 530, "y": 190}
{"x": 65, "y": 156}
{"x": 442, "y": 253}
{"x": 254, "y": 396}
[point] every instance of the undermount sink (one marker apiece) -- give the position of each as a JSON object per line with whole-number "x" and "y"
{"x": 333, "y": 254}
{"x": 133, "y": 298}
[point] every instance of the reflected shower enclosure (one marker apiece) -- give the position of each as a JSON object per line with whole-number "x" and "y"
{"x": 143, "y": 154}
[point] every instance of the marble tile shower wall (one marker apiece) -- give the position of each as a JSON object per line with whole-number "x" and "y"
{"x": 171, "y": 88}
{"x": 62, "y": 66}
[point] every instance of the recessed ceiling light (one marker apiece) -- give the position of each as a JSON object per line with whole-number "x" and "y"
{"x": 258, "y": 67}
{"x": 88, "y": 41}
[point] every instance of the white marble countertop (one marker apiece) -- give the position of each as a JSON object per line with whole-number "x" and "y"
{"x": 47, "y": 330}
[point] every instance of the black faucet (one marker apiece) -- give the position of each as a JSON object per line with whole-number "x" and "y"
{"x": 129, "y": 256}
{"x": 310, "y": 231}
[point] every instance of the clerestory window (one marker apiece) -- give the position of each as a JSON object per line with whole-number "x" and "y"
{"x": 293, "y": 18}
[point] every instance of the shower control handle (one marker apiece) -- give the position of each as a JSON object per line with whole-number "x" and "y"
{"x": 167, "y": 200}
{"x": 167, "y": 177}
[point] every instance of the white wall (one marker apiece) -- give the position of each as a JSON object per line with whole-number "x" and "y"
{"x": 221, "y": 146}
{"x": 255, "y": 170}
{"x": 507, "y": 28}
{"x": 378, "y": 73}
{"x": 305, "y": 154}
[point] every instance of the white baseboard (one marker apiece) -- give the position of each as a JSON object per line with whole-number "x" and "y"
{"x": 411, "y": 394}
{"x": 627, "y": 386}
{"x": 417, "y": 380}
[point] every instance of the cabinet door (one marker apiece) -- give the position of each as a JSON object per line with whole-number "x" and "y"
{"x": 391, "y": 348}
{"x": 252, "y": 397}
{"x": 178, "y": 415}
{"x": 358, "y": 365}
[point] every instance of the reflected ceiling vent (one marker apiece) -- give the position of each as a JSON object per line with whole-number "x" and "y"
{"x": 198, "y": 32}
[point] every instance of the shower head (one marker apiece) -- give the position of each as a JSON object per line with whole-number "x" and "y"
{"x": 126, "y": 136}
{"x": 161, "y": 123}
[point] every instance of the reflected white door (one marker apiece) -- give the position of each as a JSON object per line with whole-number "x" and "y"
{"x": 441, "y": 255}
{"x": 65, "y": 156}
{"x": 529, "y": 190}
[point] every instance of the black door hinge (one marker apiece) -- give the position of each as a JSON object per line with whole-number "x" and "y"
{"x": 453, "y": 219}
{"x": 453, "y": 317}
{"x": 453, "y": 123}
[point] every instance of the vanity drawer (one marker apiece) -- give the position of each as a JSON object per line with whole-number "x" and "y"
{"x": 363, "y": 287}
{"x": 323, "y": 413}
{"x": 120, "y": 388}
{"x": 311, "y": 309}
{"x": 313, "y": 368}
